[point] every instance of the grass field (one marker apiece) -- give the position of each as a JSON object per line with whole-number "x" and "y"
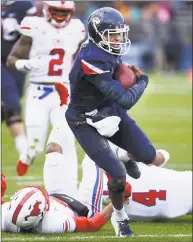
{"x": 165, "y": 114}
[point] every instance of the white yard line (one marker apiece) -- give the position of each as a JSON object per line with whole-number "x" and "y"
{"x": 166, "y": 88}
{"x": 26, "y": 183}
{"x": 179, "y": 165}
{"x": 28, "y": 178}
{"x": 158, "y": 111}
{"x": 31, "y": 178}
{"x": 62, "y": 238}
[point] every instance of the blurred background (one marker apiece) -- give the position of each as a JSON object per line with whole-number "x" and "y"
{"x": 161, "y": 36}
{"x": 161, "y": 31}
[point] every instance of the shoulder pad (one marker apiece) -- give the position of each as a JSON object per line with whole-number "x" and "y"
{"x": 78, "y": 23}
{"x": 29, "y": 25}
{"x": 79, "y": 27}
{"x": 93, "y": 69}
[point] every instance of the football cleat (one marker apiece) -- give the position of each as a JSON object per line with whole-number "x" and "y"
{"x": 22, "y": 168}
{"x": 132, "y": 169}
{"x": 124, "y": 229}
{"x": 23, "y": 164}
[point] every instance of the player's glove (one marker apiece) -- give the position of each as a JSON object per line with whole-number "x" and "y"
{"x": 128, "y": 190}
{"x": 63, "y": 93}
{"x": 38, "y": 64}
{"x": 140, "y": 74}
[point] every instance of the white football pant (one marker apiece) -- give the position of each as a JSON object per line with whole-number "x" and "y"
{"x": 43, "y": 108}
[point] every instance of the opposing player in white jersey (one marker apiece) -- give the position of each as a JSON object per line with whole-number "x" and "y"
{"x": 32, "y": 210}
{"x": 158, "y": 193}
{"x": 47, "y": 48}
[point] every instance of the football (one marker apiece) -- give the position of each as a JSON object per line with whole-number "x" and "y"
{"x": 125, "y": 75}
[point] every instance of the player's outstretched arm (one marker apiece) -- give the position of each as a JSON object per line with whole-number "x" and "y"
{"x": 93, "y": 224}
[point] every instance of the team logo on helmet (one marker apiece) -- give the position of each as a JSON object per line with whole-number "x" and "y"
{"x": 96, "y": 20}
{"x": 35, "y": 211}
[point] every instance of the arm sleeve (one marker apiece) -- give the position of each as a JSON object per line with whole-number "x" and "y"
{"x": 55, "y": 223}
{"x": 93, "y": 224}
{"x": 99, "y": 75}
{"x": 113, "y": 90}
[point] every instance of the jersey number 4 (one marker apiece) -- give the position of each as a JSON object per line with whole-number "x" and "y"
{"x": 149, "y": 198}
{"x": 58, "y": 61}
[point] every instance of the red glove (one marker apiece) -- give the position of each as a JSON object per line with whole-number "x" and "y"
{"x": 128, "y": 189}
{"x": 63, "y": 93}
{"x": 3, "y": 187}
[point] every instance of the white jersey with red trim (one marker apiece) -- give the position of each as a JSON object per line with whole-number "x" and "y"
{"x": 56, "y": 46}
{"x": 159, "y": 193}
{"x": 59, "y": 219}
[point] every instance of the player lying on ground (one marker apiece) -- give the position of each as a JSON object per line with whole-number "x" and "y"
{"x": 155, "y": 194}
{"x": 159, "y": 193}
{"x": 33, "y": 210}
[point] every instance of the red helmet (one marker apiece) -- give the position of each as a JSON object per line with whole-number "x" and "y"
{"x": 58, "y": 13}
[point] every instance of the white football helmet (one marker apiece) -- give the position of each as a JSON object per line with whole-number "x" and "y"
{"x": 58, "y": 13}
{"x": 28, "y": 206}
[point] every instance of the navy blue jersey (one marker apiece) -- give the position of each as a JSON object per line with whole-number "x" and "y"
{"x": 14, "y": 13}
{"x": 92, "y": 83}
{"x": 84, "y": 95}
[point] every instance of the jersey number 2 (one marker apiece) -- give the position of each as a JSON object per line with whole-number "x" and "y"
{"x": 54, "y": 62}
{"x": 149, "y": 198}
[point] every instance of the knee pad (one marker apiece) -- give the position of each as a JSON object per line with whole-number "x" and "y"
{"x": 116, "y": 186}
{"x": 53, "y": 147}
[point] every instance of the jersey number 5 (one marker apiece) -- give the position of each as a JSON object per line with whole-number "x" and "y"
{"x": 149, "y": 198}
{"x": 58, "y": 61}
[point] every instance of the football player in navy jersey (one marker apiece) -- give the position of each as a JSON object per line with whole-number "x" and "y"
{"x": 12, "y": 81}
{"x": 98, "y": 106}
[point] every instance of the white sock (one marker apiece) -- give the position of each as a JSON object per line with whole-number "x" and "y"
{"x": 166, "y": 156}
{"x": 21, "y": 144}
{"x": 122, "y": 155}
{"x": 120, "y": 214}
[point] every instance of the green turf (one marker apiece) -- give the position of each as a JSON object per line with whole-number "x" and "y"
{"x": 165, "y": 114}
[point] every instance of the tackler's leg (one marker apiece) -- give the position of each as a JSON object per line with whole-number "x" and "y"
{"x": 61, "y": 164}
{"x": 91, "y": 186}
{"x": 37, "y": 125}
